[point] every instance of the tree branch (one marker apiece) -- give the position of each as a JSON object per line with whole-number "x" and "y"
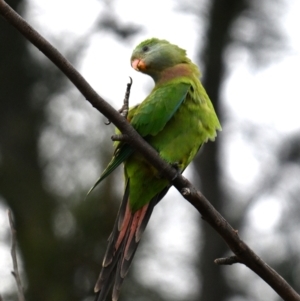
{"x": 227, "y": 260}
{"x": 243, "y": 253}
{"x": 15, "y": 271}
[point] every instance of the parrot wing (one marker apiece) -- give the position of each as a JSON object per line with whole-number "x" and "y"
{"x": 148, "y": 118}
{"x": 121, "y": 154}
{"x": 158, "y": 108}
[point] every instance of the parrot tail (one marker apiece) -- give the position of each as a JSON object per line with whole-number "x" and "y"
{"x": 122, "y": 245}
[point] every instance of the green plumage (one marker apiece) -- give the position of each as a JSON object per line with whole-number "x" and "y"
{"x": 176, "y": 119}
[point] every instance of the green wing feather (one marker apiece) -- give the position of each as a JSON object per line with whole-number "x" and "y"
{"x": 121, "y": 154}
{"x": 158, "y": 108}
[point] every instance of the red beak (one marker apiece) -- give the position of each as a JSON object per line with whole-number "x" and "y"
{"x": 138, "y": 64}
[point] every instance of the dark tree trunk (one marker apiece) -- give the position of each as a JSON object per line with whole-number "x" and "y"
{"x": 222, "y": 14}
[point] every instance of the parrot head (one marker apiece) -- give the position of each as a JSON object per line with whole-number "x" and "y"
{"x": 152, "y": 56}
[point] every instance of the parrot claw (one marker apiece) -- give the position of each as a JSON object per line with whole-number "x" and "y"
{"x": 176, "y": 165}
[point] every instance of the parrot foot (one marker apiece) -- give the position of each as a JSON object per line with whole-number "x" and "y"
{"x": 125, "y": 108}
{"x": 176, "y": 165}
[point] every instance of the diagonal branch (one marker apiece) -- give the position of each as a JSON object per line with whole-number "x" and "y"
{"x": 243, "y": 253}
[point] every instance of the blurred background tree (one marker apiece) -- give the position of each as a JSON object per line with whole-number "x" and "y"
{"x": 53, "y": 146}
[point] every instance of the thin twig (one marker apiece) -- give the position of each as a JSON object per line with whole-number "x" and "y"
{"x": 15, "y": 272}
{"x": 209, "y": 213}
{"x": 125, "y": 108}
{"x": 120, "y": 137}
{"x": 227, "y": 260}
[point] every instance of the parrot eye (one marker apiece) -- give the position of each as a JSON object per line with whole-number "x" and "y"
{"x": 145, "y": 48}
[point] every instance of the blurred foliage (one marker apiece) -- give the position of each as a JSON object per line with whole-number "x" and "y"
{"x": 51, "y": 150}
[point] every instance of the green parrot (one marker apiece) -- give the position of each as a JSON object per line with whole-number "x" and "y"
{"x": 176, "y": 119}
